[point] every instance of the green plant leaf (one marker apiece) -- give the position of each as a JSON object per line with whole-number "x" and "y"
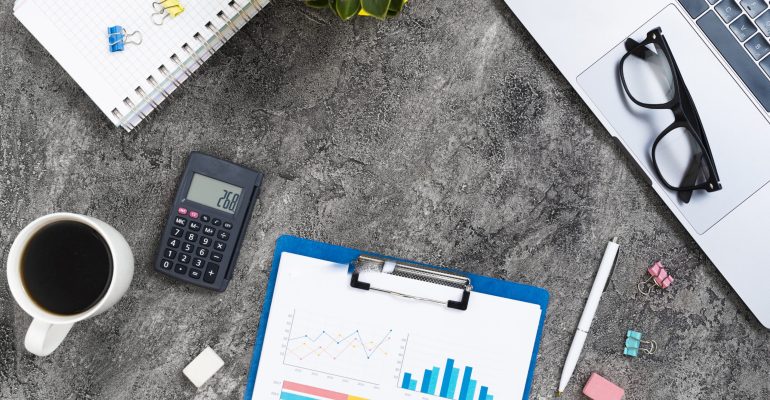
{"x": 317, "y": 3}
{"x": 376, "y": 8}
{"x": 396, "y": 6}
{"x": 346, "y": 9}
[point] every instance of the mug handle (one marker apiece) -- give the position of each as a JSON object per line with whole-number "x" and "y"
{"x": 43, "y": 338}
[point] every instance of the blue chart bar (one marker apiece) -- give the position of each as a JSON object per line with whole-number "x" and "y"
{"x": 483, "y": 393}
{"x": 448, "y": 382}
{"x": 450, "y": 363}
{"x": 433, "y": 380}
{"x": 471, "y": 390}
{"x": 450, "y": 394}
{"x": 466, "y": 383}
{"x": 407, "y": 380}
{"x": 425, "y": 388}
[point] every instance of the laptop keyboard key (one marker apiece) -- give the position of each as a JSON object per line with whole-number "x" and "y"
{"x": 743, "y": 28}
{"x": 728, "y": 10}
{"x": 758, "y": 47}
{"x": 695, "y": 7}
{"x": 765, "y": 64}
{"x": 754, "y": 7}
{"x": 737, "y": 57}
{"x": 763, "y": 22}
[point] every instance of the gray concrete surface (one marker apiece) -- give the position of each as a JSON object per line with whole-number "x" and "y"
{"x": 444, "y": 136}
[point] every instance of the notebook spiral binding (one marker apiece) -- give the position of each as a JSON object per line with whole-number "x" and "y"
{"x": 410, "y": 271}
{"x": 170, "y": 77}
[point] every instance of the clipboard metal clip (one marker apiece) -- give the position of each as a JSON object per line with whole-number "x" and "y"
{"x": 411, "y": 271}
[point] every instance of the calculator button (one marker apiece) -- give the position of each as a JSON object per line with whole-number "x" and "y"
{"x": 216, "y": 222}
{"x": 180, "y": 221}
{"x": 209, "y": 230}
{"x": 223, "y": 235}
{"x": 180, "y": 269}
{"x": 168, "y": 253}
{"x": 216, "y": 256}
{"x": 173, "y": 243}
{"x": 188, "y": 248}
{"x": 201, "y": 252}
{"x": 182, "y": 211}
{"x": 191, "y": 237}
{"x": 194, "y": 214}
{"x": 195, "y": 273}
{"x": 166, "y": 264}
{"x": 219, "y": 246}
{"x": 184, "y": 258}
{"x": 227, "y": 225}
{"x": 194, "y": 226}
{"x": 176, "y": 232}
{"x": 211, "y": 273}
{"x": 205, "y": 218}
{"x": 206, "y": 241}
{"x": 197, "y": 263}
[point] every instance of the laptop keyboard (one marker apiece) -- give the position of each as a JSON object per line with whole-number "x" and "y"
{"x": 739, "y": 29}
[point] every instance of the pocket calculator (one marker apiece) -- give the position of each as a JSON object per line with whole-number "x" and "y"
{"x": 207, "y": 221}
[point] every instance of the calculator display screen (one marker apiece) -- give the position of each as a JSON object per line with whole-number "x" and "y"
{"x": 213, "y": 193}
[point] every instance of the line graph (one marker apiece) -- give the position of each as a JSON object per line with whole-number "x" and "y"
{"x": 334, "y": 346}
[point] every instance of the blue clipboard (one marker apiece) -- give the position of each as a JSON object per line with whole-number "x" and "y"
{"x": 346, "y": 255}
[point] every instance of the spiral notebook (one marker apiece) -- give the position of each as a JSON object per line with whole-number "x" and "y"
{"x": 129, "y": 84}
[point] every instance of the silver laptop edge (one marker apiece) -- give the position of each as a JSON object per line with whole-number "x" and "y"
{"x": 582, "y": 38}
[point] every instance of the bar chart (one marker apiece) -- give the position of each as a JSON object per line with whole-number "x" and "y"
{"x": 444, "y": 383}
{"x": 299, "y": 391}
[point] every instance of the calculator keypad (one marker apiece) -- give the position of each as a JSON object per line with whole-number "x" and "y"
{"x": 197, "y": 250}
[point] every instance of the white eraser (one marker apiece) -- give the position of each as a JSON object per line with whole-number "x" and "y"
{"x": 203, "y": 367}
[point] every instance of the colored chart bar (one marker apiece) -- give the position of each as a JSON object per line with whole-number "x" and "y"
{"x": 466, "y": 383}
{"x": 450, "y": 363}
{"x": 426, "y": 381}
{"x": 450, "y": 394}
{"x": 471, "y": 390}
{"x": 433, "y": 380}
{"x": 483, "y": 393}
{"x": 298, "y": 391}
{"x": 292, "y": 396}
{"x": 413, "y": 385}
{"x": 407, "y": 381}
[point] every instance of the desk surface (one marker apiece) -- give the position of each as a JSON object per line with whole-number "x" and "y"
{"x": 444, "y": 136}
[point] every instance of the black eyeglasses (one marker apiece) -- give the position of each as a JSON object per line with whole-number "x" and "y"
{"x": 681, "y": 155}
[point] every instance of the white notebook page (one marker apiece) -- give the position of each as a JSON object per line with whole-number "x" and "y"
{"x": 324, "y": 335}
{"x": 75, "y": 33}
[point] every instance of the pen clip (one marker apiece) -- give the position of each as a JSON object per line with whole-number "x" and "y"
{"x": 612, "y": 270}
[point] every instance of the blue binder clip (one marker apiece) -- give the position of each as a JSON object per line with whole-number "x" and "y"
{"x": 118, "y": 38}
{"x": 634, "y": 342}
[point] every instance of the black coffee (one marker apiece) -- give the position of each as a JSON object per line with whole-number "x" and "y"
{"x": 66, "y": 267}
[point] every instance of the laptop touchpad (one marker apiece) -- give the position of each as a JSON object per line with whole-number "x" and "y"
{"x": 737, "y": 131}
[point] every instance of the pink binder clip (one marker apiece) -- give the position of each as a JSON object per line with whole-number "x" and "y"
{"x": 658, "y": 277}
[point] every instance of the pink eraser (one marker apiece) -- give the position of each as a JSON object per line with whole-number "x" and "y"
{"x": 598, "y": 388}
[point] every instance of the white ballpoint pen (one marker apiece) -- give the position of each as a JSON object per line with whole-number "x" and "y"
{"x": 600, "y": 284}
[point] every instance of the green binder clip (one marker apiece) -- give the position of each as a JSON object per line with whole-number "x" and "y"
{"x": 634, "y": 344}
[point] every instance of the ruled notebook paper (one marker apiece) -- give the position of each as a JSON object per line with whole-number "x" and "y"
{"x": 75, "y": 33}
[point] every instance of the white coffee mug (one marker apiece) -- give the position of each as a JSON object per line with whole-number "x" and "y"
{"x": 48, "y": 330}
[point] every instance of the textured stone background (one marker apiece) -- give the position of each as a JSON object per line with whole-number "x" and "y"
{"x": 445, "y": 136}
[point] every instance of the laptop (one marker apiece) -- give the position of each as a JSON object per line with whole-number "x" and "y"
{"x": 722, "y": 54}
